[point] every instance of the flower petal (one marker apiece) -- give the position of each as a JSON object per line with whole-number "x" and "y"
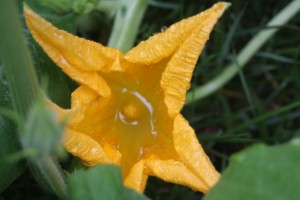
{"x": 61, "y": 113}
{"x": 81, "y": 145}
{"x": 90, "y": 79}
{"x": 191, "y": 152}
{"x": 82, "y": 96}
{"x": 83, "y": 54}
{"x": 174, "y": 172}
{"x": 112, "y": 154}
{"x": 164, "y": 44}
{"x": 176, "y": 78}
{"x": 77, "y": 57}
{"x": 84, "y": 147}
{"x": 136, "y": 179}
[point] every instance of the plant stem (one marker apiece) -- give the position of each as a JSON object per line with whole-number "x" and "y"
{"x": 246, "y": 53}
{"x": 49, "y": 174}
{"x": 16, "y": 59}
{"x": 109, "y": 7}
{"x": 24, "y": 88}
{"x": 127, "y": 22}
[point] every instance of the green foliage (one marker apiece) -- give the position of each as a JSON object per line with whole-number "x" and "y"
{"x": 25, "y": 91}
{"x": 84, "y": 6}
{"x": 65, "y": 6}
{"x": 261, "y": 104}
{"x": 100, "y": 182}
{"x": 261, "y": 173}
{"x": 9, "y": 142}
{"x": 59, "y": 90}
{"x": 59, "y": 6}
{"x": 42, "y": 132}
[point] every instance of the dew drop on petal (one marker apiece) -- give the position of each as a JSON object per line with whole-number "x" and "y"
{"x": 59, "y": 36}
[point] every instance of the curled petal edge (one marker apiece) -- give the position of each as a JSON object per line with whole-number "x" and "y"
{"x": 164, "y": 44}
{"x": 191, "y": 152}
{"x": 136, "y": 179}
{"x": 175, "y": 172}
{"x": 83, "y": 54}
{"x": 82, "y": 95}
{"x": 176, "y": 77}
{"x": 88, "y": 150}
{"x": 167, "y": 170}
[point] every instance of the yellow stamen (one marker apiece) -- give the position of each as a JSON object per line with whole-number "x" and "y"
{"x": 132, "y": 110}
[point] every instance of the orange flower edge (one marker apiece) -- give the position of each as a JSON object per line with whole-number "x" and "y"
{"x": 126, "y": 110}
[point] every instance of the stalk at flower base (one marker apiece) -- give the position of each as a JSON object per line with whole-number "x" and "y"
{"x": 126, "y": 110}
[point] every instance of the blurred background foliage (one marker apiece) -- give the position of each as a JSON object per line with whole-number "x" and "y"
{"x": 259, "y": 105}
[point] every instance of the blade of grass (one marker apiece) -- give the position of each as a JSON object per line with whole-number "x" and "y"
{"x": 275, "y": 57}
{"x": 283, "y": 85}
{"x": 245, "y": 84}
{"x": 229, "y": 36}
{"x": 161, "y": 4}
{"x": 266, "y": 116}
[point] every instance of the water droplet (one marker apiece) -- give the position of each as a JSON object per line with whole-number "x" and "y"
{"x": 59, "y": 36}
{"x": 142, "y": 54}
{"x": 163, "y": 29}
{"x": 64, "y": 61}
{"x": 94, "y": 150}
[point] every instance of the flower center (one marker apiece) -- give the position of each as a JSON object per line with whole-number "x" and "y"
{"x": 132, "y": 111}
{"x": 134, "y": 125}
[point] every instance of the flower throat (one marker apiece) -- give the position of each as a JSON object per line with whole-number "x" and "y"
{"x": 134, "y": 125}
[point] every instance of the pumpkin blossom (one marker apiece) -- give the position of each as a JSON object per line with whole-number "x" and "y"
{"x": 126, "y": 110}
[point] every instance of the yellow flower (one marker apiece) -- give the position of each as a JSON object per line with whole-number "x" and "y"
{"x": 126, "y": 110}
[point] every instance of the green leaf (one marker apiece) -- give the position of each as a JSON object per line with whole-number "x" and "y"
{"x": 101, "y": 182}
{"x": 84, "y": 6}
{"x": 8, "y": 140}
{"x": 55, "y": 83}
{"x": 262, "y": 173}
{"x": 59, "y": 6}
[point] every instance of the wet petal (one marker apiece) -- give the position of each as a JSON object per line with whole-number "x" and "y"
{"x": 112, "y": 154}
{"x": 84, "y": 147}
{"x": 82, "y": 96}
{"x": 176, "y": 78}
{"x": 191, "y": 152}
{"x": 175, "y": 172}
{"x": 72, "y": 116}
{"x": 82, "y": 54}
{"x": 61, "y": 113}
{"x": 163, "y": 45}
{"x": 79, "y": 58}
{"x": 96, "y": 117}
{"x": 136, "y": 179}
{"x": 90, "y": 79}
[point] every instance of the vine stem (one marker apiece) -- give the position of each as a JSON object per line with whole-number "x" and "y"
{"x": 246, "y": 53}
{"x": 127, "y": 21}
{"x": 25, "y": 90}
{"x": 17, "y": 64}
